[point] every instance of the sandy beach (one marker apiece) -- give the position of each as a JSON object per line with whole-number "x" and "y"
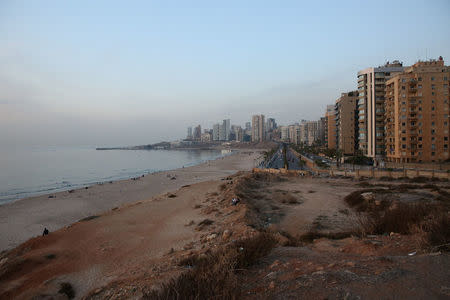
{"x": 27, "y": 218}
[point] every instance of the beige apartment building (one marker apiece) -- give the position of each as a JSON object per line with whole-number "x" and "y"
{"x": 371, "y": 95}
{"x": 417, "y": 113}
{"x": 258, "y": 128}
{"x": 345, "y": 110}
{"x": 330, "y": 127}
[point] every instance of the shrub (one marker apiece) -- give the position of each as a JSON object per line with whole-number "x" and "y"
{"x": 213, "y": 275}
{"x": 67, "y": 289}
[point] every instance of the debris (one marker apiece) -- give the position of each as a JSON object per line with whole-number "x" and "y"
{"x": 235, "y": 201}
{"x": 412, "y": 253}
{"x": 211, "y": 237}
{"x": 46, "y": 232}
{"x": 272, "y": 285}
{"x": 226, "y": 234}
{"x": 368, "y": 196}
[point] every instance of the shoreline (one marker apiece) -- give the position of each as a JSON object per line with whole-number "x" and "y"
{"x": 27, "y": 217}
{"x": 76, "y": 186}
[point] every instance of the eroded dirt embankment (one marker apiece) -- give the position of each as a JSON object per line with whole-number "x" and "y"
{"x": 287, "y": 237}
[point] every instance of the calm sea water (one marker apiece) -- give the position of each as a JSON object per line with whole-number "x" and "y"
{"x": 36, "y": 171}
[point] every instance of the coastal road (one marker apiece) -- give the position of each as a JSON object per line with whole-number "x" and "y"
{"x": 277, "y": 160}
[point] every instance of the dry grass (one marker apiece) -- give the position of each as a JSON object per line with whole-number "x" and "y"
{"x": 430, "y": 220}
{"x": 400, "y": 218}
{"x": 213, "y": 275}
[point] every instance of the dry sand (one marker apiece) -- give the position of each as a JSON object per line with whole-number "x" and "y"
{"x": 26, "y": 218}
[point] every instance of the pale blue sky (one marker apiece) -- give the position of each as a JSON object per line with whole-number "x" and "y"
{"x": 132, "y": 72}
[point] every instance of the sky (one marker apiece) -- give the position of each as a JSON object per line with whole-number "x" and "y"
{"x": 108, "y": 73}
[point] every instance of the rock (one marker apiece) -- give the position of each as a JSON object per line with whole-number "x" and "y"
{"x": 275, "y": 264}
{"x": 272, "y": 285}
{"x": 271, "y": 275}
{"x": 350, "y": 264}
{"x": 368, "y": 196}
{"x": 318, "y": 273}
{"x": 4, "y": 260}
{"x": 211, "y": 237}
{"x": 226, "y": 234}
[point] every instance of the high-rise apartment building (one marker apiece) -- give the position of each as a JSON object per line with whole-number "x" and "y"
{"x": 322, "y": 130}
{"x": 226, "y": 129}
{"x": 417, "y": 113}
{"x": 216, "y": 132}
{"x": 271, "y": 124}
{"x": 258, "y": 128}
{"x": 284, "y": 133}
{"x": 197, "y": 133}
{"x": 294, "y": 133}
{"x": 330, "y": 135}
{"x": 189, "y": 133}
{"x": 371, "y": 88}
{"x": 345, "y": 111}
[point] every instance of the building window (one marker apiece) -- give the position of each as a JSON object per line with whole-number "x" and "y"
{"x": 432, "y": 108}
{"x": 432, "y": 123}
{"x": 403, "y": 139}
{"x": 445, "y": 78}
{"x": 445, "y": 146}
{"x": 445, "y": 138}
{"x": 420, "y": 78}
{"x": 433, "y": 131}
{"x": 419, "y": 86}
{"x": 403, "y": 146}
{"x": 419, "y": 138}
{"x": 403, "y": 87}
{"x": 433, "y": 146}
{"x": 433, "y": 87}
{"x": 432, "y": 101}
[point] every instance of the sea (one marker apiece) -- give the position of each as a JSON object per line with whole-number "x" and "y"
{"x": 27, "y": 172}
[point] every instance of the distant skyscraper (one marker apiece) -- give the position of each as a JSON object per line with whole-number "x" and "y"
{"x": 248, "y": 126}
{"x": 216, "y": 132}
{"x": 271, "y": 124}
{"x": 258, "y": 128}
{"x": 189, "y": 133}
{"x": 226, "y": 127}
{"x": 284, "y": 133}
{"x": 197, "y": 132}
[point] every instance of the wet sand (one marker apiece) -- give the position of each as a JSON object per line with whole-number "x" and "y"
{"x": 27, "y": 218}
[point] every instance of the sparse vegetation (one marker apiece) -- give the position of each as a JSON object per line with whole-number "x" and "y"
{"x": 67, "y": 289}
{"x": 213, "y": 274}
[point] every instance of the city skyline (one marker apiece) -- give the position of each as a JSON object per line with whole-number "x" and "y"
{"x": 113, "y": 74}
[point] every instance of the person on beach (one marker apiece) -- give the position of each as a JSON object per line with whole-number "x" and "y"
{"x": 45, "y": 231}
